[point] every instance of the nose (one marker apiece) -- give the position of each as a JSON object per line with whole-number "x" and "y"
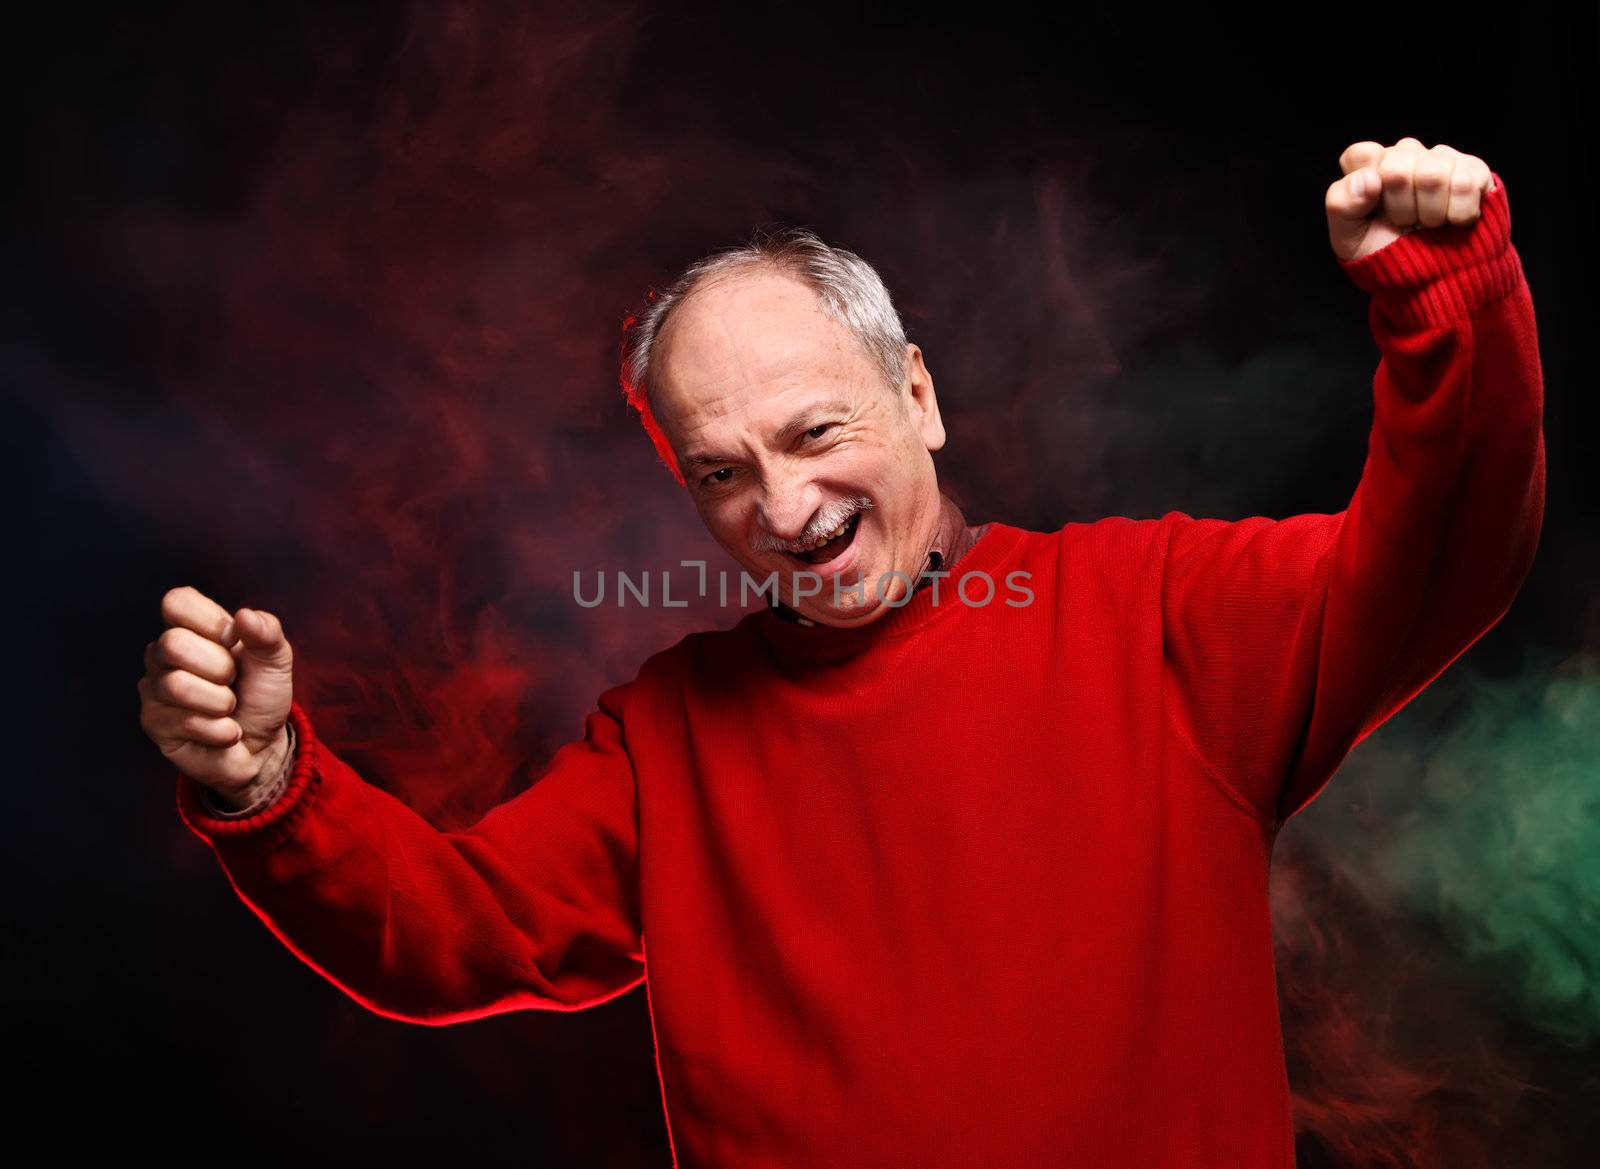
{"x": 788, "y": 503}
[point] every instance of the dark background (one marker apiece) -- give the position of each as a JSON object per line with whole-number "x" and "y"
{"x": 317, "y": 309}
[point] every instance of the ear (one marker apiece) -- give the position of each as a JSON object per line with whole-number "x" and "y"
{"x": 920, "y": 402}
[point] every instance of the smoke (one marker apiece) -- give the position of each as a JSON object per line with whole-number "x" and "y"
{"x": 1503, "y": 845}
{"x": 372, "y": 387}
{"x": 1435, "y": 912}
{"x": 387, "y": 384}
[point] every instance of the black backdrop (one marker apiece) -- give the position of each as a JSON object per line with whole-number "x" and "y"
{"x": 316, "y": 307}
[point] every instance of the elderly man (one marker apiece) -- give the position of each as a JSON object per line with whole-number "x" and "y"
{"x": 926, "y": 880}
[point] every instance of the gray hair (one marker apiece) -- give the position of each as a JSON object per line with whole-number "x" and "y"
{"x": 849, "y": 291}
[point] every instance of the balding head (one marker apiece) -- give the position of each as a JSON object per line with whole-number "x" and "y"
{"x": 847, "y": 289}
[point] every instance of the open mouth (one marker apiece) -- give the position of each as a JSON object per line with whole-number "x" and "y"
{"x": 832, "y": 548}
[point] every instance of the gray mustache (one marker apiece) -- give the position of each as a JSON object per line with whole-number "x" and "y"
{"x": 831, "y": 516}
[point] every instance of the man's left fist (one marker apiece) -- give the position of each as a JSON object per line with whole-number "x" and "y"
{"x": 1417, "y": 187}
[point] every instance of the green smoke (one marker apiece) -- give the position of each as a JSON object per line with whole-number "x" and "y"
{"x": 1498, "y": 836}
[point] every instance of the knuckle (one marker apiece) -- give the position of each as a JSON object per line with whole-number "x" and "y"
{"x": 208, "y": 728}
{"x": 1358, "y": 154}
{"x": 1432, "y": 178}
{"x": 170, "y": 686}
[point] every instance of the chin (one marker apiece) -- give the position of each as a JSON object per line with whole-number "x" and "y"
{"x": 854, "y": 611}
{"x": 846, "y": 618}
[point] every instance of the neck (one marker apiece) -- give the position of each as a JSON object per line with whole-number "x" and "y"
{"x": 952, "y": 537}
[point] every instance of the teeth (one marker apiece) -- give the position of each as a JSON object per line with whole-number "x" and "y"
{"x": 823, "y": 539}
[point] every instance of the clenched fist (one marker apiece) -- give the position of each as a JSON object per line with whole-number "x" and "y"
{"x": 1417, "y": 187}
{"x": 216, "y": 693}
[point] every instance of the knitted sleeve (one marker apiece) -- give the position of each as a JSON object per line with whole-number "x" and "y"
{"x": 1286, "y": 642}
{"x": 534, "y": 906}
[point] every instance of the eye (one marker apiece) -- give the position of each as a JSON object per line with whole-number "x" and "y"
{"x": 711, "y": 480}
{"x": 821, "y": 426}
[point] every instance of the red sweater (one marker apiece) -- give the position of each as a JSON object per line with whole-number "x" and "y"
{"x": 971, "y": 886}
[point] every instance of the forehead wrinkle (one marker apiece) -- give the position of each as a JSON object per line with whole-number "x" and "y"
{"x": 794, "y": 361}
{"x": 718, "y": 343}
{"x": 831, "y": 403}
{"x": 731, "y": 346}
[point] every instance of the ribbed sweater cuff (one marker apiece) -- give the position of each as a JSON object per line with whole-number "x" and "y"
{"x": 278, "y": 817}
{"x": 1435, "y": 275}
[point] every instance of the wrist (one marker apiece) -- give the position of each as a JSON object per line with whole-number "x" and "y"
{"x": 1434, "y": 276}
{"x": 269, "y": 782}
{"x": 272, "y": 761}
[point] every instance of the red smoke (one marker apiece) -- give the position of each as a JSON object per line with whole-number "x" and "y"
{"x": 383, "y": 403}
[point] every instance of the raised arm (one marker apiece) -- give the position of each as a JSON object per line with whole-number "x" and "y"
{"x": 1289, "y": 641}
{"x": 535, "y": 906}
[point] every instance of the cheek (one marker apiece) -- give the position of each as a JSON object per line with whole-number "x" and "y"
{"x": 727, "y": 520}
{"x": 891, "y": 466}
{"x": 864, "y": 461}
{"x": 718, "y": 517}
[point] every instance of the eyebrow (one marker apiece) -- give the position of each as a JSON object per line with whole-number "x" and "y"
{"x": 804, "y": 420}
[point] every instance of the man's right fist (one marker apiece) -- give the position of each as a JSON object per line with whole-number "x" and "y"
{"x": 216, "y": 692}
